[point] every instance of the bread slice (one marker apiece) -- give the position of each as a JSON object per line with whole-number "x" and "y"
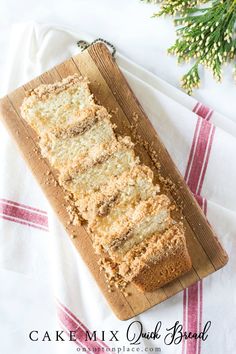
{"x": 59, "y": 104}
{"x": 120, "y": 192}
{"x": 80, "y": 146}
{"x": 81, "y": 182}
{"x": 157, "y": 260}
{"x": 155, "y": 219}
{"x": 122, "y": 230}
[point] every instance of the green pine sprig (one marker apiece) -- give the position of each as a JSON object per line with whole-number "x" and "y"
{"x": 174, "y": 7}
{"x": 206, "y": 35}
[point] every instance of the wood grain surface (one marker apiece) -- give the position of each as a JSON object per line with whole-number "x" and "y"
{"x": 111, "y": 89}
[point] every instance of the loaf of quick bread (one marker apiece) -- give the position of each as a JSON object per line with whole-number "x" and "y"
{"x": 129, "y": 220}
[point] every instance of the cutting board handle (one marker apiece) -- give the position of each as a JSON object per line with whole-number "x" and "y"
{"x": 84, "y": 45}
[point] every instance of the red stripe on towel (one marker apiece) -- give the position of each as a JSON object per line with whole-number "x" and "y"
{"x": 76, "y": 341}
{"x": 80, "y": 323}
{"x": 18, "y": 221}
{"x": 192, "y": 315}
{"x": 195, "y": 108}
{"x": 194, "y": 176}
{"x": 22, "y": 206}
{"x": 72, "y": 323}
{"x": 198, "y": 160}
{"x": 23, "y": 216}
{"x": 192, "y": 150}
{"x": 207, "y": 155}
{"x": 17, "y": 212}
{"x": 203, "y": 111}
{"x": 200, "y": 312}
{"x": 185, "y": 325}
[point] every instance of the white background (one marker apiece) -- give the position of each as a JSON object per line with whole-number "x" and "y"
{"x": 129, "y": 26}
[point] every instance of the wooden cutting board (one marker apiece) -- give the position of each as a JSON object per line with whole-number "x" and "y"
{"x": 111, "y": 90}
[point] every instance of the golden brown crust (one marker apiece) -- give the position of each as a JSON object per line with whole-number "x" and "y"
{"x": 157, "y": 260}
{"x": 43, "y": 91}
{"x": 154, "y": 275}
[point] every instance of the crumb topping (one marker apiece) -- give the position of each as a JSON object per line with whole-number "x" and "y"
{"x": 43, "y": 91}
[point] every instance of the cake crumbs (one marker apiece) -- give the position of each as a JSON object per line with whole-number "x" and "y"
{"x": 114, "y": 111}
{"x": 135, "y": 116}
{"x": 112, "y": 277}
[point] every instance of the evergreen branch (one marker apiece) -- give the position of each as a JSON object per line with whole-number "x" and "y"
{"x": 205, "y": 34}
{"x": 173, "y": 7}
